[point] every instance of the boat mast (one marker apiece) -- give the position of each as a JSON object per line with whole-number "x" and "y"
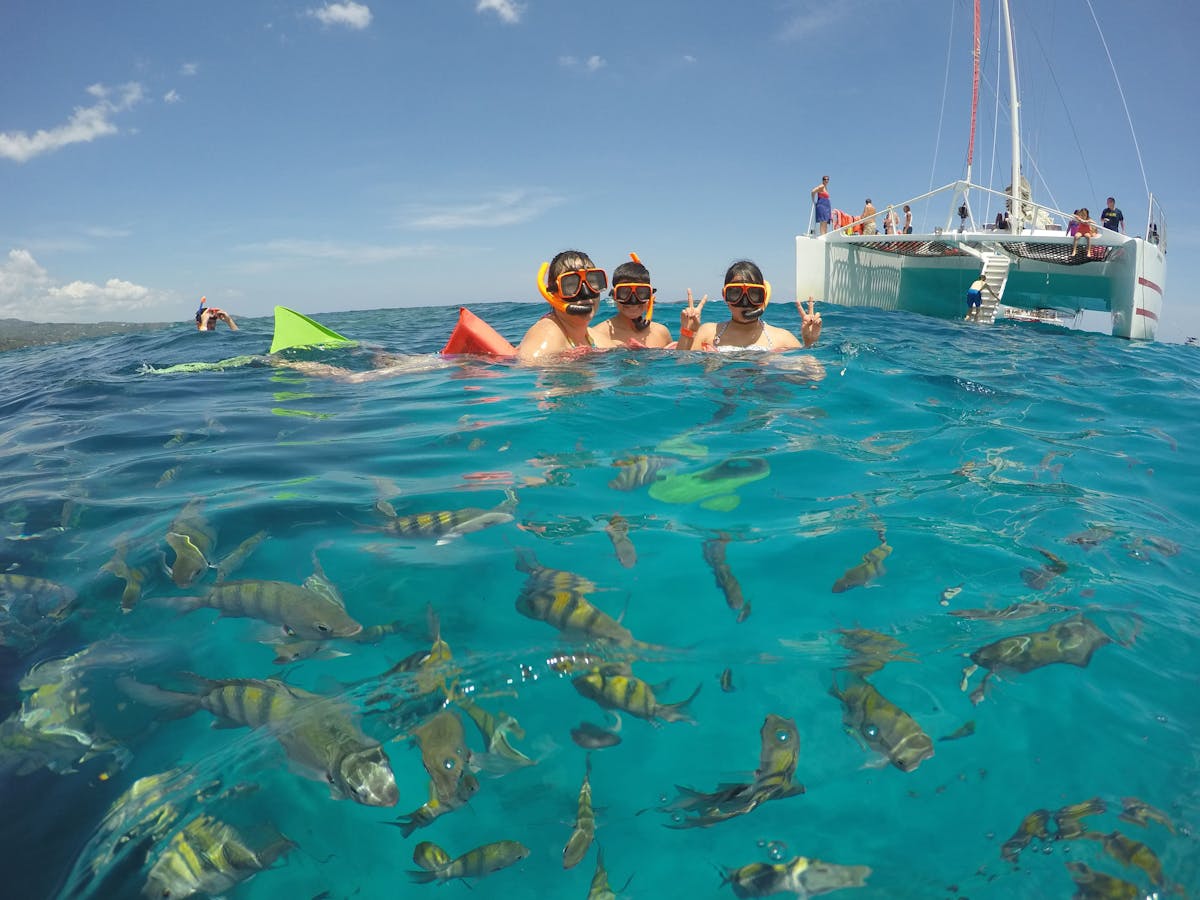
{"x": 974, "y": 95}
{"x": 1015, "y": 213}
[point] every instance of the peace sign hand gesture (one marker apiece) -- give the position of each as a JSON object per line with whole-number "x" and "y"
{"x": 689, "y": 319}
{"x": 810, "y": 322}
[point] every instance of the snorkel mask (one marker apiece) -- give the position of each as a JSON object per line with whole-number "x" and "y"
{"x": 578, "y": 305}
{"x": 750, "y": 312}
{"x": 642, "y": 322}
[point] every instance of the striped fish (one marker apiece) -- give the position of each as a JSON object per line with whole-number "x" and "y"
{"x": 28, "y": 600}
{"x": 559, "y": 599}
{"x": 881, "y": 724}
{"x": 585, "y": 823}
{"x": 477, "y": 863}
{"x": 317, "y": 733}
{"x": 446, "y": 525}
{"x": 637, "y": 471}
{"x": 869, "y": 569}
{"x": 301, "y": 612}
{"x": 714, "y": 555}
{"x": 193, "y": 540}
{"x": 209, "y": 857}
{"x": 617, "y": 530}
{"x": 630, "y": 694}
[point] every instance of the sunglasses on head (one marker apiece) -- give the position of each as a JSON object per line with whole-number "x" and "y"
{"x": 570, "y": 284}
{"x": 745, "y": 294}
{"x": 633, "y": 294}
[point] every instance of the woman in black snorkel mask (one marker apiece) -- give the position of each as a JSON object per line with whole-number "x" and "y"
{"x": 746, "y": 294}
{"x": 572, "y": 285}
{"x": 634, "y": 297}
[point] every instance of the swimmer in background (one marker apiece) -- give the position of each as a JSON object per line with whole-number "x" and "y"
{"x": 634, "y": 296}
{"x": 746, "y": 293}
{"x": 207, "y": 317}
{"x": 572, "y": 284}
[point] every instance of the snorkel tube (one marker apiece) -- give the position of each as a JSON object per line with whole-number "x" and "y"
{"x": 643, "y": 321}
{"x": 200, "y": 308}
{"x": 574, "y": 308}
{"x": 755, "y": 312}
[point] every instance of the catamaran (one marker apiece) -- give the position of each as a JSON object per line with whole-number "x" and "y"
{"x": 1034, "y": 266}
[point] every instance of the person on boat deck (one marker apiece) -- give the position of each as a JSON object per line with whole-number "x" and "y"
{"x": 891, "y": 221}
{"x": 746, "y": 293}
{"x": 1084, "y": 228}
{"x": 207, "y": 317}
{"x": 975, "y": 297}
{"x": 820, "y": 198}
{"x": 572, "y": 284}
{"x": 869, "y": 225}
{"x": 634, "y": 297}
{"x": 1112, "y": 218}
{"x": 907, "y": 219}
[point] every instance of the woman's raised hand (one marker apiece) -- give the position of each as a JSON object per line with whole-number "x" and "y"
{"x": 689, "y": 316}
{"x": 810, "y": 322}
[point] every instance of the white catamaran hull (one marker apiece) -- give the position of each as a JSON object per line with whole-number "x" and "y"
{"x": 929, "y": 274}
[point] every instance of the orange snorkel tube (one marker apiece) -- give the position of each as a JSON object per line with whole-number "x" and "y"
{"x": 648, "y": 315}
{"x": 557, "y": 303}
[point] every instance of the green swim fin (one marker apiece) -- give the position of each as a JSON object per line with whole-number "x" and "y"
{"x": 295, "y": 330}
{"x": 719, "y": 481}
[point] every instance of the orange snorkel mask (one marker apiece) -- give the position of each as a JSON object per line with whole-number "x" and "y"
{"x": 644, "y": 322}
{"x": 750, "y": 310}
{"x": 575, "y": 306}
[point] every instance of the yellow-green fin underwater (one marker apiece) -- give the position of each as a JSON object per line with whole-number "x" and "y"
{"x": 295, "y": 330}
{"x": 714, "y": 484}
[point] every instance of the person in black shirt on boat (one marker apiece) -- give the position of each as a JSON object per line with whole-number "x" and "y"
{"x": 1112, "y": 218}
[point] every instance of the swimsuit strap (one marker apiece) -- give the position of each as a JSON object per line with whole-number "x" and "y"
{"x": 716, "y": 342}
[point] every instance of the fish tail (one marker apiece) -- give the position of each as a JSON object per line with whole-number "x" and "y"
{"x": 175, "y": 703}
{"x": 526, "y": 561}
{"x": 422, "y": 877}
{"x": 678, "y": 712}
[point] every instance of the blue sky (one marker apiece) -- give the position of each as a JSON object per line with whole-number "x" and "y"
{"x": 356, "y": 155}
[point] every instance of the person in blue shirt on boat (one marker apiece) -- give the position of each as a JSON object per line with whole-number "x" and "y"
{"x": 632, "y": 326}
{"x": 572, "y": 284}
{"x": 1112, "y": 218}
{"x": 822, "y": 202}
{"x": 747, "y": 294}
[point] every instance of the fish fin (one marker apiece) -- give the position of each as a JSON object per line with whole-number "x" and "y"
{"x": 422, "y": 877}
{"x": 526, "y": 561}
{"x": 677, "y": 712}
{"x": 175, "y": 704}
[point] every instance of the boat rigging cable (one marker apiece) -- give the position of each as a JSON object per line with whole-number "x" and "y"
{"x": 1120, "y": 90}
{"x": 942, "y": 112}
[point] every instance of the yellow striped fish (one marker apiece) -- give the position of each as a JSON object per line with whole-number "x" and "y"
{"x": 477, "y": 863}
{"x": 617, "y": 530}
{"x": 870, "y": 568}
{"x": 881, "y": 724}
{"x": 300, "y": 612}
{"x": 585, "y": 823}
{"x": 448, "y": 524}
{"x": 559, "y": 599}
{"x": 714, "y": 555}
{"x": 630, "y": 694}
{"x": 207, "y": 856}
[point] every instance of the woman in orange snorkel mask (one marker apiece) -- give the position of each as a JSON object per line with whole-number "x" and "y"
{"x": 572, "y": 285}
{"x": 634, "y": 297}
{"x": 746, "y": 293}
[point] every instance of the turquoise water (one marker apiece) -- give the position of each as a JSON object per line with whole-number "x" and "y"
{"x": 972, "y": 451}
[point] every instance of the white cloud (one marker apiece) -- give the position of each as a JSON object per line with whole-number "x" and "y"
{"x": 351, "y": 14}
{"x": 353, "y": 254}
{"x": 189, "y": 69}
{"x": 688, "y": 58}
{"x": 28, "y": 292}
{"x": 509, "y": 11}
{"x": 592, "y": 63}
{"x": 85, "y": 125}
{"x": 171, "y": 96}
{"x": 811, "y": 18}
{"x": 493, "y": 211}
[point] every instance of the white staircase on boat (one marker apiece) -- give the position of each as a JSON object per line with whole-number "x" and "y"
{"x": 995, "y": 270}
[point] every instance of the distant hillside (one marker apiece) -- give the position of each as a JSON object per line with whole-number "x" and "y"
{"x": 16, "y": 333}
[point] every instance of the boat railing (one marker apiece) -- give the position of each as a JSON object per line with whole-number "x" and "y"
{"x": 1156, "y": 225}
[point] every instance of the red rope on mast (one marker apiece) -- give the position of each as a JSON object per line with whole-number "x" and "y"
{"x": 974, "y": 90}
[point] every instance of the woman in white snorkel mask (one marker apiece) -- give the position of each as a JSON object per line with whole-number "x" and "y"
{"x": 747, "y": 294}
{"x": 572, "y": 285}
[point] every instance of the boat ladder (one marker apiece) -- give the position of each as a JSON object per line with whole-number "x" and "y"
{"x": 995, "y": 270}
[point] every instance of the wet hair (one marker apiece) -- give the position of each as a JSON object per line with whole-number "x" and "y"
{"x": 566, "y": 261}
{"x": 630, "y": 273}
{"x": 744, "y": 272}
{"x": 906, "y": 207}
{"x": 1112, "y": 199}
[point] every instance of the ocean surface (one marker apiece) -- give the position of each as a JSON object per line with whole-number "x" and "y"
{"x": 808, "y": 524}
